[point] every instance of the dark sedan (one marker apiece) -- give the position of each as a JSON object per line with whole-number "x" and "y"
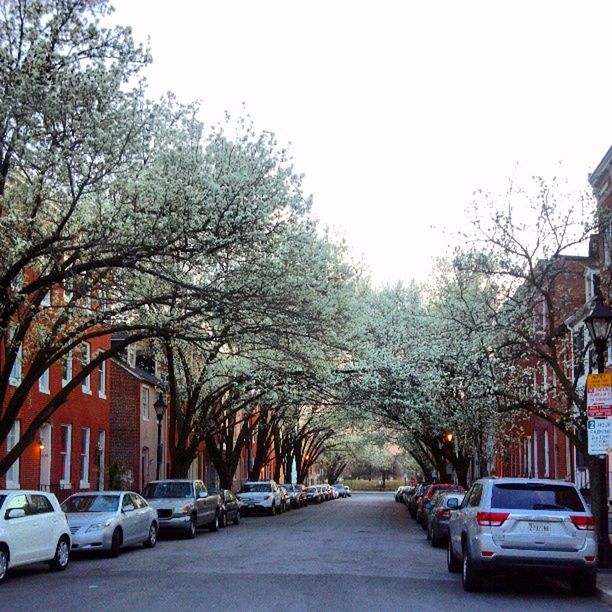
{"x": 230, "y": 507}
{"x": 314, "y": 495}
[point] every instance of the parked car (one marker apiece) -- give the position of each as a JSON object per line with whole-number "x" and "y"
{"x": 340, "y": 490}
{"x": 414, "y": 500}
{"x": 285, "y": 499}
{"x": 407, "y": 494}
{"x": 314, "y": 495}
{"x": 33, "y": 528}
{"x": 301, "y": 494}
{"x": 424, "y": 505}
{"x": 230, "y": 506}
{"x": 437, "y": 526}
{"x": 294, "y": 494}
{"x": 398, "y": 493}
{"x": 183, "y": 505}
{"x": 523, "y": 524}
{"x": 349, "y": 491}
{"x": 109, "y": 520}
{"x": 260, "y": 495}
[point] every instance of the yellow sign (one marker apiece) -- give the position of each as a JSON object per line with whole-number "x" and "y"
{"x": 599, "y": 380}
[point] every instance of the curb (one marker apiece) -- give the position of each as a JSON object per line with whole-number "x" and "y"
{"x": 605, "y": 595}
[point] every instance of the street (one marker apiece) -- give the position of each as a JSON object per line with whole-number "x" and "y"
{"x": 361, "y": 553}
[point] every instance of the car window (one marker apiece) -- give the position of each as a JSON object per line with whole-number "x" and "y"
{"x": 256, "y": 487}
{"x": 19, "y": 502}
{"x": 164, "y": 490}
{"x": 138, "y": 501}
{"x": 476, "y": 495}
{"x": 468, "y": 496}
{"x": 39, "y": 504}
{"x": 91, "y": 503}
{"x": 199, "y": 488}
{"x": 535, "y": 496}
{"x": 127, "y": 501}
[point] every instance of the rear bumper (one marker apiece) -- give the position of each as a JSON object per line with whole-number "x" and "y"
{"x": 553, "y": 567}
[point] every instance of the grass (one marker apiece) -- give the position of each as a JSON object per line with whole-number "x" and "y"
{"x": 372, "y": 485}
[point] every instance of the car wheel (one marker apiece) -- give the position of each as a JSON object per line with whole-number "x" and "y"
{"x": 237, "y": 518}
{"x": 4, "y": 563}
{"x": 192, "y": 528}
{"x": 469, "y": 576}
{"x": 62, "y": 555}
{"x": 152, "y": 537}
{"x": 584, "y": 584}
{"x": 214, "y": 524}
{"x": 429, "y": 533}
{"x": 223, "y": 520}
{"x": 116, "y": 542}
{"x": 452, "y": 563}
{"x": 273, "y": 509}
{"x": 435, "y": 540}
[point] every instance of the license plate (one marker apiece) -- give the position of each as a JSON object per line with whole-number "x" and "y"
{"x": 251, "y": 505}
{"x": 539, "y": 527}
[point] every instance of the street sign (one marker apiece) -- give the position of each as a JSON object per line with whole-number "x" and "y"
{"x": 599, "y": 395}
{"x": 600, "y": 436}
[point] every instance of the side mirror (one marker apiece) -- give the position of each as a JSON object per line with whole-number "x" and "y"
{"x": 202, "y": 494}
{"x": 15, "y": 513}
{"x": 453, "y": 503}
{"x": 128, "y": 508}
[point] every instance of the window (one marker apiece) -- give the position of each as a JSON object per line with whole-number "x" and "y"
{"x": 145, "y": 403}
{"x": 536, "y": 466}
{"x": 66, "y": 368}
{"x": 102, "y": 380}
{"x": 12, "y": 474}
{"x": 519, "y": 496}
{"x": 84, "y": 458}
{"x": 15, "y": 375}
{"x": 39, "y": 504}
{"x": 85, "y": 358}
{"x": 43, "y": 382}
{"x": 546, "y": 455}
{"x": 19, "y": 502}
{"x": 66, "y": 449}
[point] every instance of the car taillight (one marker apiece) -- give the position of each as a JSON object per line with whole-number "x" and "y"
{"x": 492, "y": 519}
{"x": 584, "y": 523}
{"x": 443, "y": 514}
{"x": 186, "y": 509}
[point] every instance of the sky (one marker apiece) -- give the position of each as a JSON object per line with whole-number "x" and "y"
{"x": 396, "y": 111}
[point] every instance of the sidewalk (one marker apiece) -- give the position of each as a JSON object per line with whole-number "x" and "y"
{"x": 604, "y": 586}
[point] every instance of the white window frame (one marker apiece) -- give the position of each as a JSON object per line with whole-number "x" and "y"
{"x": 85, "y": 359}
{"x": 536, "y": 471}
{"x": 102, "y": 380}
{"x": 546, "y": 454}
{"x": 67, "y": 359}
{"x": 66, "y": 457}
{"x": 17, "y": 369}
{"x": 43, "y": 382}
{"x": 145, "y": 393}
{"x": 84, "y": 467}
{"x": 12, "y": 474}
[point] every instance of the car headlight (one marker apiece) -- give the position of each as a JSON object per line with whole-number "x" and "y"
{"x": 183, "y": 509}
{"x": 98, "y": 526}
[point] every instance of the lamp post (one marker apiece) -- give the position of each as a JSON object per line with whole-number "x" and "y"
{"x": 599, "y": 324}
{"x": 160, "y": 408}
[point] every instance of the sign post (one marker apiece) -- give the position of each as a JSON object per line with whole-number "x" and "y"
{"x": 599, "y": 412}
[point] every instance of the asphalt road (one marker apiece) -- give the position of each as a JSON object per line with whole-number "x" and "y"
{"x": 361, "y": 553}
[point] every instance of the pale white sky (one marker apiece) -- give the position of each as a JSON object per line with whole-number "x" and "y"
{"x": 396, "y": 111}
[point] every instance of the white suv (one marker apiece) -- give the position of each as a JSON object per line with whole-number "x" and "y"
{"x": 541, "y": 526}
{"x": 32, "y": 528}
{"x": 260, "y": 495}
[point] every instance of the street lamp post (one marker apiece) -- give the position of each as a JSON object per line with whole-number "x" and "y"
{"x": 160, "y": 407}
{"x": 599, "y": 324}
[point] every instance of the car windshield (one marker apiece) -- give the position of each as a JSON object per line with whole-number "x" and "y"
{"x": 91, "y": 503}
{"x": 160, "y": 490}
{"x": 311, "y": 490}
{"x": 256, "y": 487}
{"x": 537, "y": 496}
{"x": 288, "y": 487}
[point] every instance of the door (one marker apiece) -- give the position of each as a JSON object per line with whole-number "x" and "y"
{"x": 45, "y": 457}
{"x": 142, "y": 514}
{"x": 47, "y": 522}
{"x": 22, "y": 533}
{"x": 130, "y": 519}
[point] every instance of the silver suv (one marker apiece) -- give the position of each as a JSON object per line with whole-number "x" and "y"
{"x": 523, "y": 524}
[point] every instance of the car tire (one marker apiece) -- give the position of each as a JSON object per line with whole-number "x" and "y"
{"x": 223, "y": 520}
{"x": 116, "y": 542}
{"x": 151, "y": 540}
{"x": 62, "y": 555}
{"x": 429, "y": 533}
{"x": 192, "y": 528}
{"x": 237, "y": 518}
{"x": 435, "y": 540}
{"x": 584, "y": 584}
{"x": 273, "y": 509}
{"x": 214, "y": 524}
{"x": 4, "y": 563}
{"x": 470, "y": 577}
{"x": 452, "y": 563}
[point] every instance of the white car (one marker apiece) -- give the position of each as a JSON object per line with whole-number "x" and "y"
{"x": 33, "y": 528}
{"x": 260, "y": 495}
